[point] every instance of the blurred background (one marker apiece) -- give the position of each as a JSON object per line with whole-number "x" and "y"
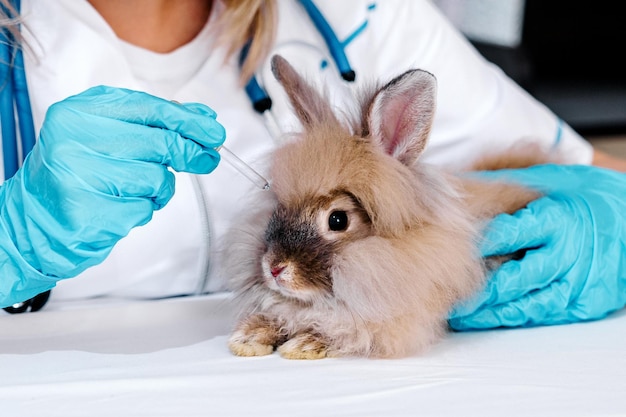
{"x": 569, "y": 54}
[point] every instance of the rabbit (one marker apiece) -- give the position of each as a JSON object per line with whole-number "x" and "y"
{"x": 359, "y": 249}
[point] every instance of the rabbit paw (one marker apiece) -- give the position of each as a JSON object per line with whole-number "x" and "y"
{"x": 304, "y": 346}
{"x": 255, "y": 336}
{"x": 249, "y": 348}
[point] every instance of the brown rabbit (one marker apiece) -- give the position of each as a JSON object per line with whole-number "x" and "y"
{"x": 359, "y": 249}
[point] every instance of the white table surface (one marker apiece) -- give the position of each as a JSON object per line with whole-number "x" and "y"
{"x": 169, "y": 358}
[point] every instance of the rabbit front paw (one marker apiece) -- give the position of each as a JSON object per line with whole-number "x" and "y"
{"x": 254, "y": 336}
{"x": 304, "y": 346}
{"x": 245, "y": 347}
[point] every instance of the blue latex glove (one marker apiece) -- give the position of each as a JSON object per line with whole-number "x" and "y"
{"x": 575, "y": 267}
{"x": 99, "y": 168}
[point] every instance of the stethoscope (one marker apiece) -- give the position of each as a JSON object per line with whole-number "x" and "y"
{"x": 16, "y": 118}
{"x": 259, "y": 97}
{"x": 14, "y": 102}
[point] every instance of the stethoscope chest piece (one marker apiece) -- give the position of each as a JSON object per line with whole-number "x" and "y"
{"x": 34, "y": 304}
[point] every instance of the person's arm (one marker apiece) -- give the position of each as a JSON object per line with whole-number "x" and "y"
{"x": 575, "y": 243}
{"x": 603, "y": 159}
{"x": 479, "y": 108}
{"x": 100, "y": 167}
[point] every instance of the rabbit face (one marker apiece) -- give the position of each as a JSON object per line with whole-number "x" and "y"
{"x": 302, "y": 242}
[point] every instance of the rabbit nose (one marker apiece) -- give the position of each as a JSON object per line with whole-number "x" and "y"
{"x": 276, "y": 270}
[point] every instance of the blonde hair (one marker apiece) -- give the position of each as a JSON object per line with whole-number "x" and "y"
{"x": 10, "y": 23}
{"x": 246, "y": 21}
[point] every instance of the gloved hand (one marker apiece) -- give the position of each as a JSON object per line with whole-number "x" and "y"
{"x": 99, "y": 168}
{"x": 574, "y": 268}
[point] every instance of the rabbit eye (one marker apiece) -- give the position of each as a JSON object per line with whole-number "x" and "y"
{"x": 338, "y": 221}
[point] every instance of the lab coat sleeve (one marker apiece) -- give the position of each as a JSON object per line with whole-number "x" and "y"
{"x": 479, "y": 108}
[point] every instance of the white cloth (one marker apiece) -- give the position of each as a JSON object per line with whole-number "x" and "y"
{"x": 73, "y": 49}
{"x": 169, "y": 358}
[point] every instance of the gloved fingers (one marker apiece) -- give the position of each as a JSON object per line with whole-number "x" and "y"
{"x": 514, "y": 280}
{"x": 121, "y": 141}
{"x": 152, "y": 182}
{"x": 548, "y": 306}
{"x": 75, "y": 227}
{"x": 89, "y": 223}
{"x": 182, "y": 155}
{"x": 72, "y": 198}
{"x": 535, "y": 271}
{"x": 122, "y": 179}
{"x": 530, "y": 227}
{"x": 144, "y": 109}
{"x": 85, "y": 232}
{"x": 200, "y": 109}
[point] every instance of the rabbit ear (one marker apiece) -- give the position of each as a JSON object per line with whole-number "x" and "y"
{"x": 400, "y": 115}
{"x": 310, "y": 107}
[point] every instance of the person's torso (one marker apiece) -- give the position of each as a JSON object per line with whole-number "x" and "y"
{"x": 74, "y": 49}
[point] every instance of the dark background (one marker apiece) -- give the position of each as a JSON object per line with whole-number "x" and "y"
{"x": 573, "y": 59}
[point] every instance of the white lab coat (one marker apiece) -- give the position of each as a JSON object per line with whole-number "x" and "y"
{"x": 177, "y": 253}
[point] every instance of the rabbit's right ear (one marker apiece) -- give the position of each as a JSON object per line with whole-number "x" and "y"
{"x": 310, "y": 107}
{"x": 400, "y": 115}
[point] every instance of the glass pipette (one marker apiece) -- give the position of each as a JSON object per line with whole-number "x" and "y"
{"x": 243, "y": 168}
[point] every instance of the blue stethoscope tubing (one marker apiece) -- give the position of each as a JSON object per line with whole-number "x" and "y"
{"x": 14, "y": 102}
{"x": 261, "y": 101}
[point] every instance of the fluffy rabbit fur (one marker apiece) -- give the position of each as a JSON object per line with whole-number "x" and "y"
{"x": 359, "y": 249}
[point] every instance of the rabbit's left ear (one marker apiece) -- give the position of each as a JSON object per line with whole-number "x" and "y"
{"x": 400, "y": 115}
{"x": 310, "y": 107}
